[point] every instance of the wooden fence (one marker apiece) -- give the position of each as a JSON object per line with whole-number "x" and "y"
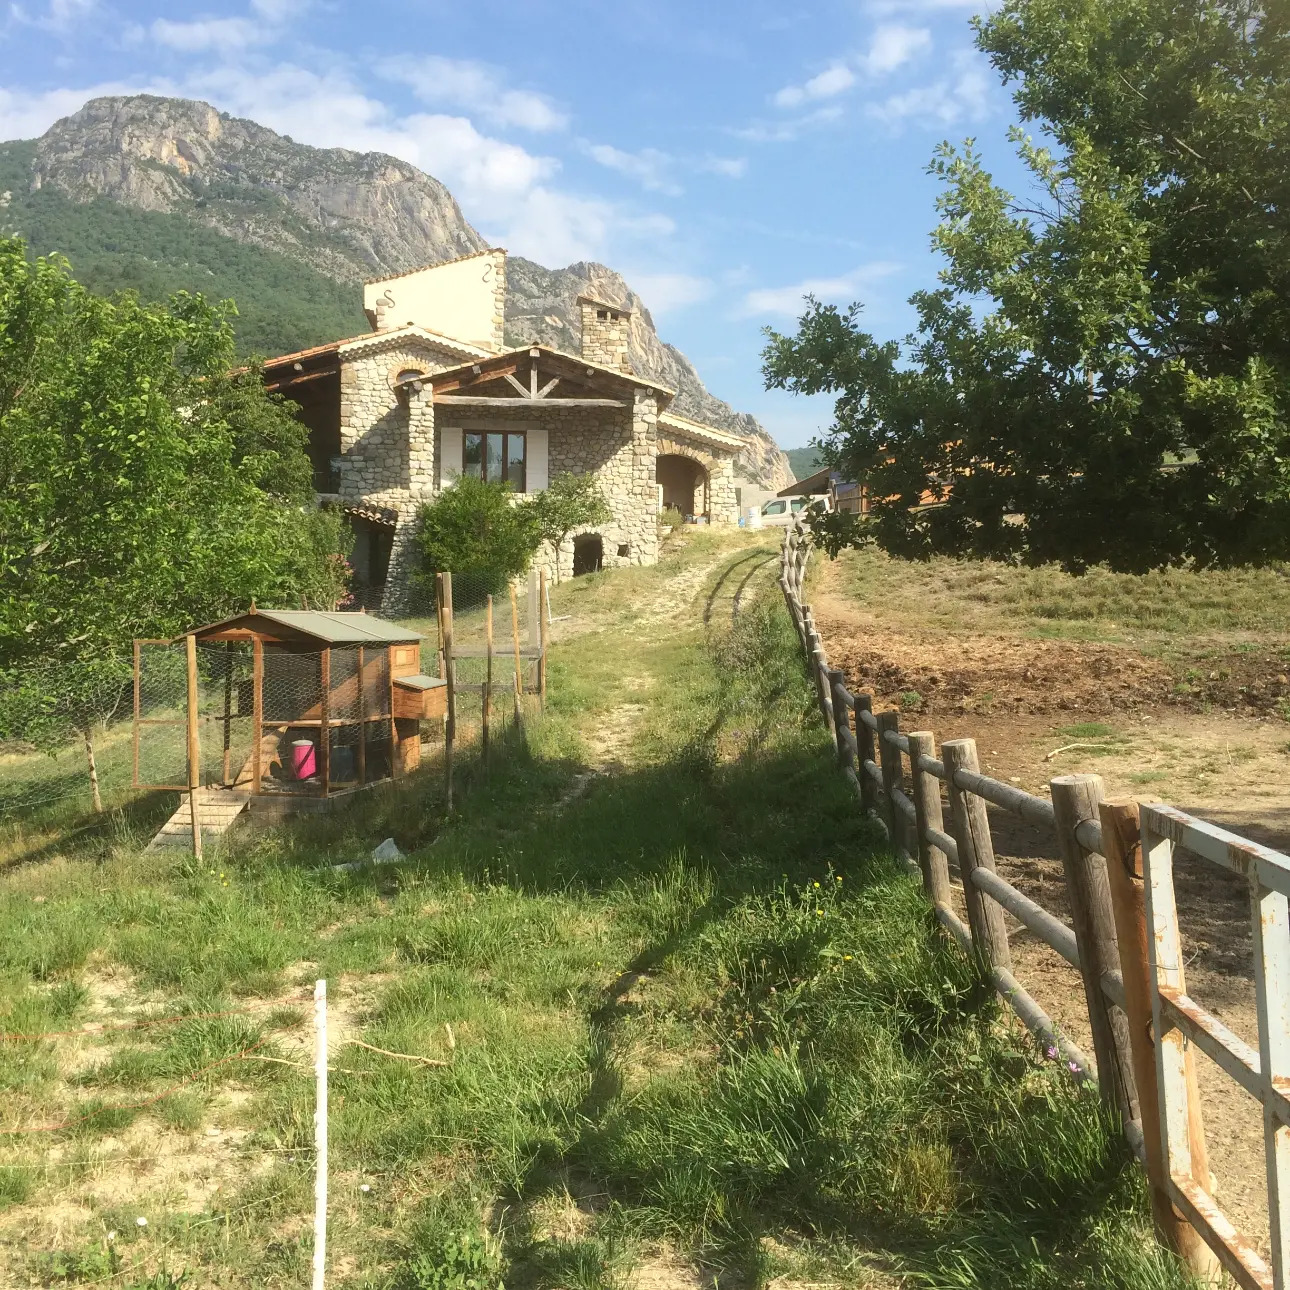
{"x": 1117, "y": 859}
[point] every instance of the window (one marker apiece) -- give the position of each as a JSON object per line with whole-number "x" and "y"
{"x": 800, "y": 503}
{"x": 495, "y": 455}
{"x": 774, "y": 508}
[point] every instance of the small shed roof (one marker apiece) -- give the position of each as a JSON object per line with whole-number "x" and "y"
{"x": 332, "y": 628}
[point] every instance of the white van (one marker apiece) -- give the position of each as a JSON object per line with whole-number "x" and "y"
{"x": 783, "y": 511}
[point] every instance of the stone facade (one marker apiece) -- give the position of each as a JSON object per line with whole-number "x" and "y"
{"x": 396, "y": 452}
{"x": 606, "y": 331}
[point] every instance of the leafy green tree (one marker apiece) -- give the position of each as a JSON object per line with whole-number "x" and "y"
{"x": 1103, "y": 373}
{"x": 569, "y": 502}
{"x": 478, "y": 531}
{"x": 146, "y": 485}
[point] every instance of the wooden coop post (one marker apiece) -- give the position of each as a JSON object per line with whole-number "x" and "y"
{"x": 226, "y": 769}
{"x": 976, "y": 851}
{"x": 362, "y": 720}
{"x": 194, "y": 746}
{"x": 324, "y": 711}
{"x": 1075, "y": 799}
{"x": 542, "y": 630}
{"x": 1122, "y": 847}
{"x": 257, "y": 713}
{"x": 396, "y": 749}
{"x": 515, "y": 637}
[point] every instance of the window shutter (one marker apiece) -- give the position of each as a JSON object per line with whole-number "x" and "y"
{"x": 449, "y": 457}
{"x": 535, "y": 467}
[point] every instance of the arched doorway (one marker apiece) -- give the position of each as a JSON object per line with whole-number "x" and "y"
{"x": 683, "y": 483}
{"x": 588, "y": 554}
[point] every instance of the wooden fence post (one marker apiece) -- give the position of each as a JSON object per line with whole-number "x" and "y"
{"x": 194, "y": 746}
{"x": 889, "y": 760}
{"x": 866, "y": 752}
{"x": 450, "y": 726}
{"x": 257, "y": 715}
{"x": 1122, "y": 846}
{"x": 815, "y": 656}
{"x": 976, "y": 851}
{"x": 488, "y": 677}
{"x": 841, "y": 721}
{"x": 932, "y": 860}
{"x": 1075, "y": 799}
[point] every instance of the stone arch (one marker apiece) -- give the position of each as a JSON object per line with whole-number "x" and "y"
{"x": 684, "y": 477}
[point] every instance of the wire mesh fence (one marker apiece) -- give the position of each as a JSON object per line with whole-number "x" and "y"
{"x": 326, "y": 720}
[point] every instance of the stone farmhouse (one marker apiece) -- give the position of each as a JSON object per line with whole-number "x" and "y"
{"x": 433, "y": 392}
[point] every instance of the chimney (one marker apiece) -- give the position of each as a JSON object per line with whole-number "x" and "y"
{"x": 605, "y": 330}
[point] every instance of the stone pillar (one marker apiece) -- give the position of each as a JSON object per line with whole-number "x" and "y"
{"x": 644, "y": 537}
{"x": 401, "y": 591}
{"x": 421, "y": 463}
{"x": 723, "y": 498}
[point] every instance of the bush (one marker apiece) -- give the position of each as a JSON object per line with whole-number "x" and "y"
{"x": 671, "y": 516}
{"x": 478, "y": 532}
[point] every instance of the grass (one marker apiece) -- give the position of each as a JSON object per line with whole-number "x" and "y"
{"x": 691, "y": 1014}
{"x": 1097, "y": 605}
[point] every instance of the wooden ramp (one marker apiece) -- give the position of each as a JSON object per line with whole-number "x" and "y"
{"x": 217, "y": 809}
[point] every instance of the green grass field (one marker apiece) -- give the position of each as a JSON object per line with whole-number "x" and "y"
{"x": 692, "y": 1023}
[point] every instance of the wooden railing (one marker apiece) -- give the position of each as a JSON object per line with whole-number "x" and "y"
{"x": 1118, "y": 876}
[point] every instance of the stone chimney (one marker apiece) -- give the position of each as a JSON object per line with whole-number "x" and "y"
{"x": 605, "y": 329}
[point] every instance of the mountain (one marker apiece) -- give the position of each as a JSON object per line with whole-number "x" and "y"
{"x": 161, "y": 194}
{"x": 803, "y": 461}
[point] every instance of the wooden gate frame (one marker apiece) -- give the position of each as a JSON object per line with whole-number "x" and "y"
{"x": 1179, "y": 1020}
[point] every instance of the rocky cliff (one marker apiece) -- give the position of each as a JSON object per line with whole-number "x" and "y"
{"x": 348, "y": 215}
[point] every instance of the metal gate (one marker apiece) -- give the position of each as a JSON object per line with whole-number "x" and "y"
{"x": 1179, "y": 1020}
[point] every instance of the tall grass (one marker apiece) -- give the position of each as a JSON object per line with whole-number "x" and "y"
{"x": 694, "y": 1006}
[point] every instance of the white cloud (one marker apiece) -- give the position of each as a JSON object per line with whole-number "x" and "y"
{"x": 730, "y": 167}
{"x": 787, "y": 131}
{"x": 962, "y": 96}
{"x": 665, "y": 293}
{"x": 649, "y": 167}
{"x": 788, "y": 301}
{"x": 24, "y": 116}
{"x": 829, "y": 83}
{"x": 264, "y": 24}
{"x": 893, "y": 45}
{"x": 57, "y": 16}
{"x": 224, "y": 35}
{"x": 476, "y": 87}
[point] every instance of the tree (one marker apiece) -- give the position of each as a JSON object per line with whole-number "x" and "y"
{"x": 146, "y": 484}
{"x": 1103, "y": 374}
{"x": 569, "y": 502}
{"x": 478, "y": 531}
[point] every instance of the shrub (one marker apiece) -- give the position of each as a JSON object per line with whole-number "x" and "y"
{"x": 479, "y": 533}
{"x": 670, "y": 515}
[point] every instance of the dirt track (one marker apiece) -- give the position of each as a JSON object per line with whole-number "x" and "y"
{"x": 1201, "y": 738}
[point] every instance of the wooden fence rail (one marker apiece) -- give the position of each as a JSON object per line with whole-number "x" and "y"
{"x": 1122, "y": 939}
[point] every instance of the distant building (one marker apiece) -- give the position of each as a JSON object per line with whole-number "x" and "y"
{"x": 432, "y": 393}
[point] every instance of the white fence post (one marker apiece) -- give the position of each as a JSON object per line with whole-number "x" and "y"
{"x": 320, "y": 1135}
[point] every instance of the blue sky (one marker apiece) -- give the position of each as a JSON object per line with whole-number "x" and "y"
{"x": 726, "y": 157}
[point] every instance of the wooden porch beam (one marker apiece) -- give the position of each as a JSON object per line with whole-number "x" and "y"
{"x": 509, "y": 401}
{"x": 524, "y": 394}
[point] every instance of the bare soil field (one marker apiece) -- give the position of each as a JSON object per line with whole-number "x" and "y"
{"x": 1172, "y": 688}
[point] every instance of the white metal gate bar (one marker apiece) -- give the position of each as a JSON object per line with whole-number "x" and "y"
{"x": 1179, "y": 1020}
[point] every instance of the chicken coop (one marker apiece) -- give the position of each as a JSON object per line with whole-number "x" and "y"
{"x": 291, "y": 708}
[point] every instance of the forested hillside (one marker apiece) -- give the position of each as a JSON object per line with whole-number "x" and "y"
{"x": 282, "y": 304}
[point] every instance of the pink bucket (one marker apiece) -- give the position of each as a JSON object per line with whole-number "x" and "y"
{"x": 304, "y": 759}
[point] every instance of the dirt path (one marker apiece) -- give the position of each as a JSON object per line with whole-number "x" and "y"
{"x": 1040, "y": 708}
